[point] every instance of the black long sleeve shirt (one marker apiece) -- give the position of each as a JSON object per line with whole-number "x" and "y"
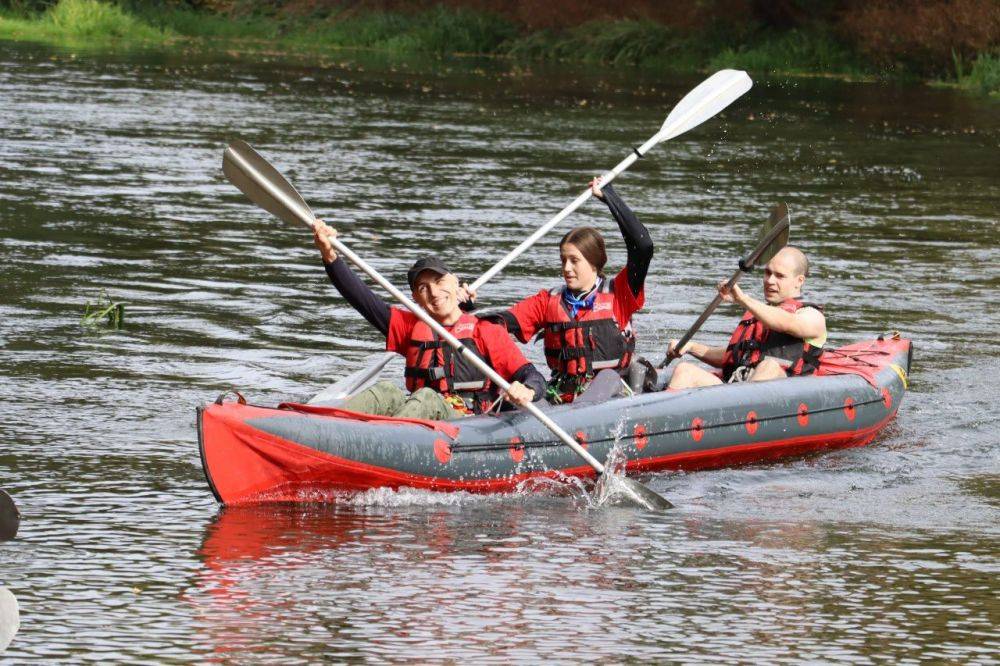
{"x": 638, "y": 244}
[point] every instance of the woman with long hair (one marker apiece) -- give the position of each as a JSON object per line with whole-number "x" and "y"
{"x": 586, "y": 323}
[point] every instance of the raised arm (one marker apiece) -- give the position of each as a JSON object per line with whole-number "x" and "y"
{"x": 638, "y": 244}
{"x": 357, "y": 293}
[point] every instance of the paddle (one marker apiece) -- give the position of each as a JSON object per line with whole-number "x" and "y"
{"x": 267, "y": 188}
{"x": 703, "y": 102}
{"x": 10, "y": 618}
{"x": 773, "y": 238}
{"x": 10, "y": 518}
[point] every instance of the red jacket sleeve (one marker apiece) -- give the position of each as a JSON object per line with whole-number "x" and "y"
{"x": 530, "y": 315}
{"x": 626, "y": 303}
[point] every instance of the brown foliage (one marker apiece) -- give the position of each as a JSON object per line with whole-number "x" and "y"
{"x": 923, "y": 35}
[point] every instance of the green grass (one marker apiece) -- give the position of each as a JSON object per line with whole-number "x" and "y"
{"x": 203, "y": 25}
{"x": 438, "y": 31}
{"x": 80, "y": 21}
{"x": 984, "y": 76}
{"x": 794, "y": 52}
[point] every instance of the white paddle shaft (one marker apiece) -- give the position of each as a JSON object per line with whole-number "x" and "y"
{"x": 706, "y": 100}
{"x": 465, "y": 352}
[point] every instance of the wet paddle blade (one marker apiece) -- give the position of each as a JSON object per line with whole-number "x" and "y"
{"x": 263, "y": 185}
{"x": 778, "y": 215}
{"x": 707, "y": 99}
{"x": 10, "y": 518}
{"x": 645, "y": 497}
{"x": 619, "y": 490}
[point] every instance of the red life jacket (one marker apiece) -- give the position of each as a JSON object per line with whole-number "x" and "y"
{"x": 592, "y": 341}
{"x": 431, "y": 362}
{"x": 752, "y": 341}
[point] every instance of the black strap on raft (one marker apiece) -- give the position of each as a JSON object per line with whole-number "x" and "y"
{"x": 239, "y": 397}
{"x": 637, "y": 153}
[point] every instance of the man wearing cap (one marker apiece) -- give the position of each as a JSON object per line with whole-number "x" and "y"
{"x": 442, "y": 384}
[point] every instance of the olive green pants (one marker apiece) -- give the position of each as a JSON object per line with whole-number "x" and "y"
{"x": 387, "y": 399}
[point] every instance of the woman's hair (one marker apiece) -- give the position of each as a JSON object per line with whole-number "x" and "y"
{"x": 590, "y": 243}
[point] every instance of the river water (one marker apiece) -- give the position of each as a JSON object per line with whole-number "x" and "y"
{"x": 110, "y": 180}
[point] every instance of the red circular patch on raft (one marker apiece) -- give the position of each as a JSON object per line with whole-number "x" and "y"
{"x": 752, "y": 424}
{"x": 641, "y": 440}
{"x": 581, "y": 437}
{"x": 803, "y": 414}
{"x": 516, "y": 452}
{"x": 886, "y": 398}
{"x": 442, "y": 451}
{"x": 697, "y": 429}
{"x": 849, "y": 409}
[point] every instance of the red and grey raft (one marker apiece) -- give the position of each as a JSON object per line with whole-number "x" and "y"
{"x": 298, "y": 453}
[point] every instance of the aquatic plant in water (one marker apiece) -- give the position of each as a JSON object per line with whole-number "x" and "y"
{"x": 103, "y": 311}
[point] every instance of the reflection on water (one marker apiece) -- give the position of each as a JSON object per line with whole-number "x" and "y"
{"x": 110, "y": 179}
{"x": 531, "y": 578}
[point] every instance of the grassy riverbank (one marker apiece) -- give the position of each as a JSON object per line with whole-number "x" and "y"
{"x": 811, "y": 49}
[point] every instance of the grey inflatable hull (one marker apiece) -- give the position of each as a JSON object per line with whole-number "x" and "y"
{"x": 311, "y": 453}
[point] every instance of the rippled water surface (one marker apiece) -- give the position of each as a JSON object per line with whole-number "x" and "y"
{"x": 110, "y": 179}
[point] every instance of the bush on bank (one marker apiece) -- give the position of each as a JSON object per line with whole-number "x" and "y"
{"x": 985, "y": 75}
{"x": 76, "y": 21}
{"x": 847, "y": 37}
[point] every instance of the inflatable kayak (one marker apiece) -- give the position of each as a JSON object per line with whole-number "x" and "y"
{"x": 298, "y": 452}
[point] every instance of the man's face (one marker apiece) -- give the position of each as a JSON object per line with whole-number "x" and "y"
{"x": 780, "y": 280}
{"x": 437, "y": 294}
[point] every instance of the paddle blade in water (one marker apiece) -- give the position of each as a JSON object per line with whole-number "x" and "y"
{"x": 709, "y": 98}
{"x": 10, "y": 518}
{"x": 616, "y": 489}
{"x": 779, "y": 215}
{"x": 263, "y": 185}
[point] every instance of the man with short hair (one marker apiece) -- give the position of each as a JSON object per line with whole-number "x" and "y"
{"x": 442, "y": 384}
{"x": 782, "y": 337}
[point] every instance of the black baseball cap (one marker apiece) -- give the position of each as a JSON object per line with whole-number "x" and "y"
{"x": 428, "y": 263}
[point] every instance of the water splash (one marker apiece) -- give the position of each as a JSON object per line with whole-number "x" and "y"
{"x": 610, "y": 488}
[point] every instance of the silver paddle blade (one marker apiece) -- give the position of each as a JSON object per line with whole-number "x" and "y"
{"x": 779, "y": 215}
{"x": 10, "y": 618}
{"x": 263, "y": 185}
{"x": 10, "y": 518}
{"x": 616, "y": 489}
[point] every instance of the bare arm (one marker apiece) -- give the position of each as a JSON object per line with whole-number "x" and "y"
{"x": 714, "y": 356}
{"x": 805, "y": 323}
